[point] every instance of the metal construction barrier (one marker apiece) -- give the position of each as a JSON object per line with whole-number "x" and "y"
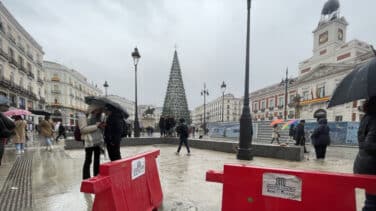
{"x": 268, "y": 189}
{"x": 130, "y": 184}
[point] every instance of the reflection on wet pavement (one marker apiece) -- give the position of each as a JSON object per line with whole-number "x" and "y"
{"x": 56, "y": 176}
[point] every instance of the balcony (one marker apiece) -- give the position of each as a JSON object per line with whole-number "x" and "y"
{"x": 31, "y": 75}
{"x": 4, "y": 82}
{"x": 42, "y": 100}
{"x": 55, "y": 78}
{"x": 262, "y": 110}
{"x": 22, "y": 68}
{"x": 13, "y": 62}
{"x": 290, "y": 116}
{"x": 40, "y": 81}
{"x": 280, "y": 106}
{"x": 39, "y": 63}
{"x": 55, "y": 104}
{"x": 21, "y": 48}
{"x": 255, "y": 111}
{"x": 30, "y": 56}
{"x": 314, "y": 101}
{"x": 291, "y": 105}
{"x": 4, "y": 54}
{"x": 271, "y": 108}
{"x": 55, "y": 91}
{"x": 12, "y": 39}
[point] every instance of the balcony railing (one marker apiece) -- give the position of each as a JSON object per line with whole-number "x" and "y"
{"x": 12, "y": 39}
{"x": 280, "y": 106}
{"x": 262, "y": 110}
{"x": 30, "y": 56}
{"x": 314, "y": 101}
{"x": 255, "y": 111}
{"x": 55, "y": 91}
{"x": 271, "y": 108}
{"x": 40, "y": 81}
{"x": 39, "y": 63}
{"x": 3, "y": 53}
{"x": 291, "y": 105}
{"x": 31, "y": 75}
{"x": 13, "y": 62}
{"x": 22, "y": 68}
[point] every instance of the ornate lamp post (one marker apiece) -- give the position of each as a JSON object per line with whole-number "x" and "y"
{"x": 205, "y": 92}
{"x": 223, "y": 89}
{"x": 246, "y": 131}
{"x": 105, "y": 85}
{"x": 136, "y": 57}
{"x": 286, "y": 83}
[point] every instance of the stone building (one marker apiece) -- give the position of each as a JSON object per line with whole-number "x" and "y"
{"x": 66, "y": 89}
{"x": 333, "y": 58}
{"x": 175, "y": 103}
{"x": 214, "y": 109}
{"x": 21, "y": 72}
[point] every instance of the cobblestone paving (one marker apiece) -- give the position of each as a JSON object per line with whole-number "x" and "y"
{"x": 56, "y": 176}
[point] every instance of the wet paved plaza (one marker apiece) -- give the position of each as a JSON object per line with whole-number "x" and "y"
{"x": 56, "y": 176}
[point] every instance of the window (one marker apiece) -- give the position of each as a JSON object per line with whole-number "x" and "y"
{"x": 22, "y": 82}
{"x": 20, "y": 59}
{"x": 1, "y": 71}
{"x": 228, "y": 106}
{"x": 320, "y": 91}
{"x": 281, "y": 101}
{"x": 255, "y": 106}
{"x": 291, "y": 98}
{"x": 56, "y": 87}
{"x": 338, "y": 119}
{"x": 11, "y": 53}
{"x": 12, "y": 76}
{"x": 271, "y": 103}
{"x": 263, "y": 104}
{"x": 305, "y": 95}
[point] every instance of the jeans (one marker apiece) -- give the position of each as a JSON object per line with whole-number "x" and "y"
{"x": 113, "y": 151}
{"x": 88, "y": 158}
{"x": 48, "y": 141}
{"x": 20, "y": 146}
{"x": 370, "y": 203}
{"x": 185, "y": 142}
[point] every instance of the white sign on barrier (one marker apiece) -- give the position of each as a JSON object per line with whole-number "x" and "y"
{"x": 282, "y": 186}
{"x": 138, "y": 168}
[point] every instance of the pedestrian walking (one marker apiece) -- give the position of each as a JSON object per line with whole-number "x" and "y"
{"x": 182, "y": 131}
{"x": 321, "y": 138}
{"x": 61, "y": 131}
{"x": 6, "y": 126}
{"x": 193, "y": 131}
{"x": 112, "y": 132}
{"x": 20, "y": 134}
{"x": 91, "y": 128}
{"x": 300, "y": 135}
{"x": 365, "y": 161}
{"x": 275, "y": 134}
{"x": 47, "y": 132}
{"x": 162, "y": 126}
{"x": 291, "y": 132}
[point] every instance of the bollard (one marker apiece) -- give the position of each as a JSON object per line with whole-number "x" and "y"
{"x": 130, "y": 184}
{"x": 269, "y": 189}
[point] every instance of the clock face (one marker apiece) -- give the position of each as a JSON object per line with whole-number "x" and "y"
{"x": 323, "y": 38}
{"x": 340, "y": 34}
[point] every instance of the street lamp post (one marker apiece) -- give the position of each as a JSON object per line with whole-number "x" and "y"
{"x": 204, "y": 92}
{"x": 105, "y": 85}
{"x": 286, "y": 82}
{"x": 136, "y": 57}
{"x": 223, "y": 88}
{"x": 246, "y": 131}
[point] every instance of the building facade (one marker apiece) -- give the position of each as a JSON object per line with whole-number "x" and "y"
{"x": 333, "y": 58}
{"x": 21, "y": 72}
{"x": 214, "y": 110}
{"x": 66, "y": 90}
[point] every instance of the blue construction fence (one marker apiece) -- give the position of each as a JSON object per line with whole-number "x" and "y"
{"x": 341, "y": 133}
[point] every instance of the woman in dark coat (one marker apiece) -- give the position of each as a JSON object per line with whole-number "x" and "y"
{"x": 6, "y": 129}
{"x": 365, "y": 162}
{"x": 321, "y": 139}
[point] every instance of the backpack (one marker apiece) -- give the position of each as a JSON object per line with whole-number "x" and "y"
{"x": 77, "y": 134}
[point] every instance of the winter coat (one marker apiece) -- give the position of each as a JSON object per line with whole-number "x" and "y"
{"x": 6, "y": 126}
{"x": 46, "y": 129}
{"x": 182, "y": 130}
{"x": 275, "y": 133}
{"x": 292, "y": 131}
{"x": 320, "y": 136}
{"x": 299, "y": 132}
{"x": 114, "y": 128}
{"x": 365, "y": 161}
{"x": 20, "y": 130}
{"x": 162, "y": 123}
{"x": 90, "y": 133}
{"x": 61, "y": 129}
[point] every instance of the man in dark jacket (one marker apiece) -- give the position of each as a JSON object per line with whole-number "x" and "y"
{"x": 365, "y": 162}
{"x": 61, "y": 132}
{"x": 182, "y": 131}
{"x": 320, "y": 138}
{"x": 113, "y": 131}
{"x": 162, "y": 126}
{"x": 6, "y": 128}
{"x": 291, "y": 132}
{"x": 300, "y": 135}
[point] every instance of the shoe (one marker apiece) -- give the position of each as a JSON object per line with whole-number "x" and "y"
{"x": 188, "y": 154}
{"x": 18, "y": 152}
{"x": 22, "y": 151}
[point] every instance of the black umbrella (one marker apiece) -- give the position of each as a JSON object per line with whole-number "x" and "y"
{"x": 40, "y": 112}
{"x": 359, "y": 84}
{"x": 109, "y": 100}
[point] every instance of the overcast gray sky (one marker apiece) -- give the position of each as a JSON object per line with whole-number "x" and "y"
{"x": 96, "y": 37}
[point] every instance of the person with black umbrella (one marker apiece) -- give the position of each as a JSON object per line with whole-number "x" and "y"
{"x": 365, "y": 161}
{"x": 112, "y": 132}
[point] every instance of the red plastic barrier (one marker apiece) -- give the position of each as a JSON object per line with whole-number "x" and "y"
{"x": 130, "y": 184}
{"x": 267, "y": 189}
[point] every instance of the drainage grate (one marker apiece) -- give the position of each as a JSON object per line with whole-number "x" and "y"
{"x": 16, "y": 192}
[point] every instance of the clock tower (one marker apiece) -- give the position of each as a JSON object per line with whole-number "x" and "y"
{"x": 330, "y": 32}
